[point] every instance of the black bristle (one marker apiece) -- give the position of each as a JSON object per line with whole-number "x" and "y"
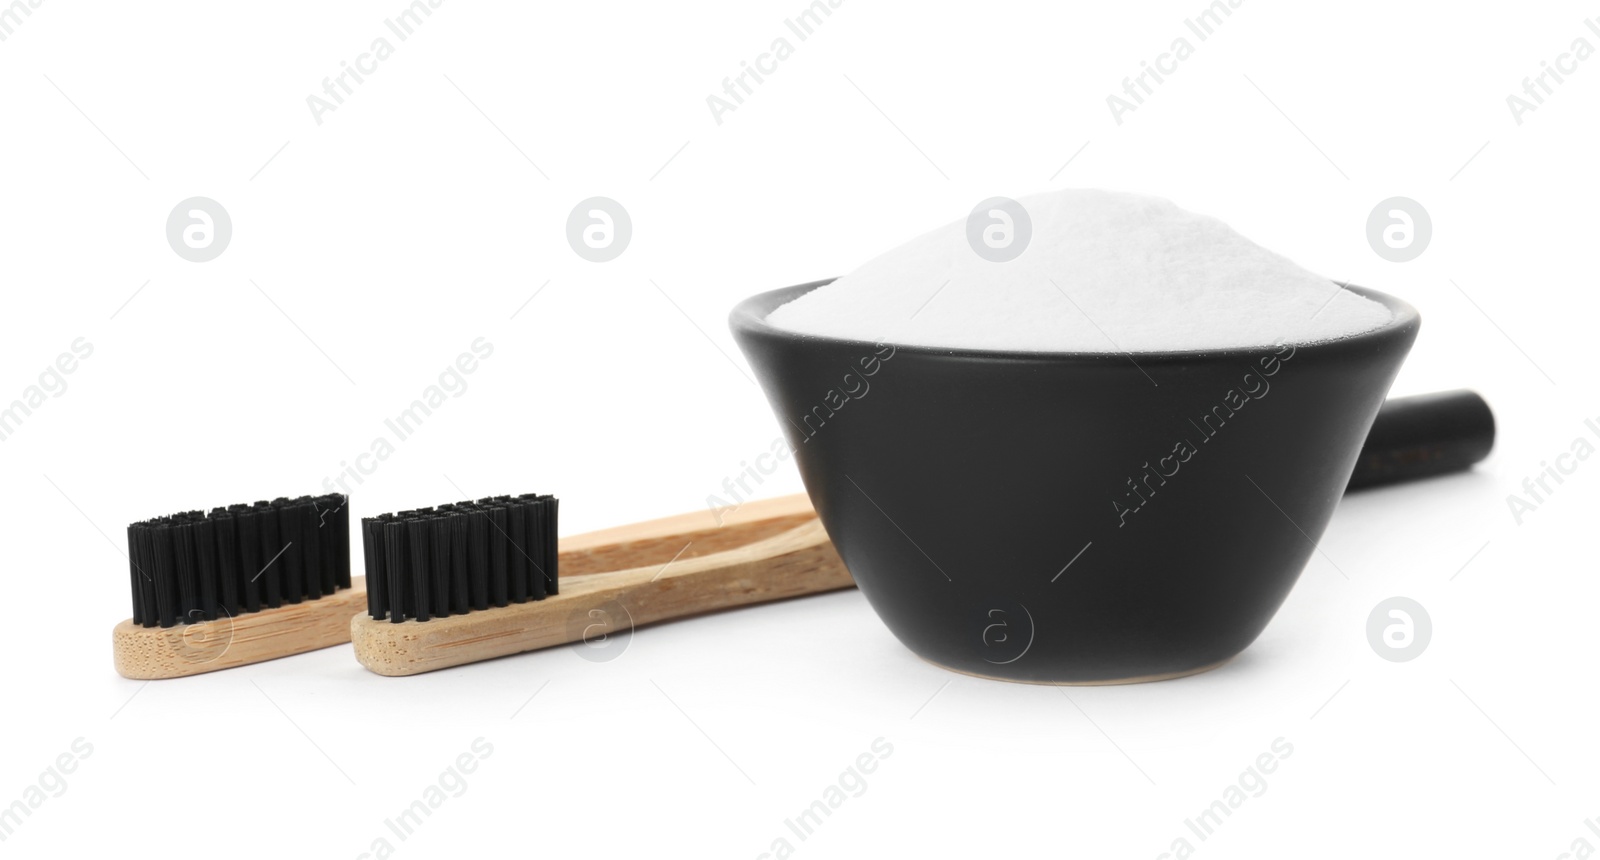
{"x": 187, "y": 566}
{"x": 552, "y": 580}
{"x": 394, "y": 562}
{"x": 135, "y": 573}
{"x": 271, "y": 574}
{"x": 227, "y": 549}
{"x": 458, "y": 558}
{"x": 292, "y": 531}
{"x": 460, "y": 597}
{"x": 377, "y": 580}
{"x": 499, "y": 541}
{"x": 533, "y": 525}
{"x": 166, "y": 575}
{"x": 440, "y": 541}
{"x": 418, "y": 532}
{"x": 517, "y": 554}
{"x": 311, "y": 554}
{"x": 147, "y": 582}
{"x": 205, "y": 554}
{"x": 249, "y": 537}
{"x": 193, "y": 566}
{"x": 327, "y": 510}
{"x": 478, "y": 557}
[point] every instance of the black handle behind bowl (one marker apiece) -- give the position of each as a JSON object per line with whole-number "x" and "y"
{"x": 1423, "y": 436}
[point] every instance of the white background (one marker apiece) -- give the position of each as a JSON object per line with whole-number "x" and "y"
{"x": 374, "y": 247}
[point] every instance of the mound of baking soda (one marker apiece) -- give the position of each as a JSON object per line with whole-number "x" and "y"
{"x": 1102, "y": 271}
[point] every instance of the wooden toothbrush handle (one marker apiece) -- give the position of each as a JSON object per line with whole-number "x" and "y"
{"x": 798, "y": 561}
{"x": 683, "y": 536}
{"x": 152, "y": 653}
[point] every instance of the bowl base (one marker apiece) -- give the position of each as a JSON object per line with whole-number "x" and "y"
{"x": 1109, "y": 682}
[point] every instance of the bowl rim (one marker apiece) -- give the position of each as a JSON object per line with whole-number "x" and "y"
{"x": 748, "y": 317}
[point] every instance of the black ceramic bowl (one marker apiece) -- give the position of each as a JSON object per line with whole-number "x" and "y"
{"x": 1082, "y": 518}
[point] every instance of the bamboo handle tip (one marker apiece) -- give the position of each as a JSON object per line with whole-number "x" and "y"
{"x": 152, "y": 653}
{"x": 383, "y": 647}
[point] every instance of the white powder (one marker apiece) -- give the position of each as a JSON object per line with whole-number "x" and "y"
{"x": 1103, "y": 272}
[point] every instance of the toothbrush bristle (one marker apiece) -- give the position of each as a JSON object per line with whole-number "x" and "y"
{"x": 457, "y": 558}
{"x": 194, "y": 566}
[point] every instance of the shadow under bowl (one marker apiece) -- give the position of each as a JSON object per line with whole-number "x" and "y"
{"x": 1073, "y": 518}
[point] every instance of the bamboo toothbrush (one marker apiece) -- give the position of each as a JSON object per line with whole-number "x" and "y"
{"x": 247, "y": 625}
{"x": 236, "y": 586}
{"x": 652, "y": 571}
